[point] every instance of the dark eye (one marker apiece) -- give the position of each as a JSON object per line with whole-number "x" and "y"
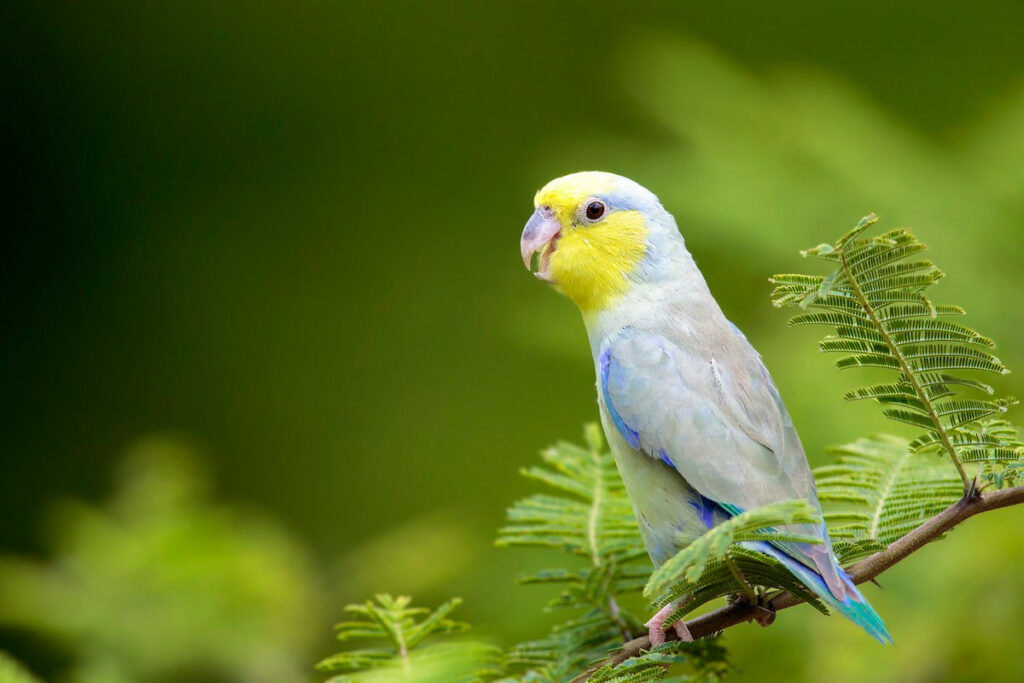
{"x": 595, "y": 210}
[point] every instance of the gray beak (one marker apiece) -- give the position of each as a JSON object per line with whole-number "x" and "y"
{"x": 540, "y": 235}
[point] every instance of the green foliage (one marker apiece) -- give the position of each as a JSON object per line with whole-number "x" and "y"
{"x": 755, "y": 525}
{"x": 161, "y": 584}
{"x": 879, "y": 490}
{"x": 593, "y": 521}
{"x": 707, "y": 658}
{"x": 405, "y": 657}
{"x": 1001, "y": 437}
{"x": 875, "y": 300}
{"x": 717, "y": 564}
{"x": 735, "y": 570}
{"x": 12, "y": 671}
{"x": 596, "y": 520}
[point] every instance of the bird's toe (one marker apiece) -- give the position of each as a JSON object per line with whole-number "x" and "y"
{"x": 682, "y": 631}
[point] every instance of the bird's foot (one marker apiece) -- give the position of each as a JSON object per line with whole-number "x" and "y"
{"x": 764, "y": 613}
{"x": 656, "y": 626}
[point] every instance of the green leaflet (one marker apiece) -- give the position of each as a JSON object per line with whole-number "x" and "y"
{"x": 590, "y": 517}
{"x": 875, "y": 301}
{"x": 403, "y": 656}
{"x": 718, "y": 580}
{"x": 688, "y": 564}
{"x": 706, "y": 656}
{"x": 878, "y": 490}
{"x": 594, "y": 521}
{"x": 709, "y": 567}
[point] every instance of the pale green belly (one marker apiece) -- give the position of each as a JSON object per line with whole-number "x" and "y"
{"x": 667, "y": 509}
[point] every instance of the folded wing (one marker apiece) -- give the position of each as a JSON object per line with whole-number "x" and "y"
{"x": 720, "y": 423}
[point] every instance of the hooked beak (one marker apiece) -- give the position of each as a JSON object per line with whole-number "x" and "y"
{"x": 540, "y": 235}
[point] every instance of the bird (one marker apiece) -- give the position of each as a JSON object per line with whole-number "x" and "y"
{"x": 696, "y": 425}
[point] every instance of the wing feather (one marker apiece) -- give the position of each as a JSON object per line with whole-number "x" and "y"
{"x": 720, "y": 423}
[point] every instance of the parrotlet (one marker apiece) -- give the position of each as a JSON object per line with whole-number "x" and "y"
{"x": 696, "y": 425}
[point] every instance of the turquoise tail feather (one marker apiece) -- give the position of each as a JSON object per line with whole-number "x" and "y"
{"x": 855, "y": 608}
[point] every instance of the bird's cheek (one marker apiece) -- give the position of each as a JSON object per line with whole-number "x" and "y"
{"x": 571, "y": 258}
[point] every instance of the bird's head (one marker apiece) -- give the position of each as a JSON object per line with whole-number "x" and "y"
{"x": 594, "y": 233}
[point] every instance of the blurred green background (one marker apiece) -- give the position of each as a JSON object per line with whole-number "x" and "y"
{"x": 269, "y": 251}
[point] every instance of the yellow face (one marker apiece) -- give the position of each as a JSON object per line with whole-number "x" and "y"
{"x": 597, "y": 247}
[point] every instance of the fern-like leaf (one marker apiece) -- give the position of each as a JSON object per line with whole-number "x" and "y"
{"x": 403, "y": 656}
{"x": 875, "y": 299}
{"x": 879, "y": 490}
{"x": 706, "y": 658}
{"x": 721, "y": 561}
{"x": 688, "y": 564}
{"x": 595, "y": 520}
{"x": 591, "y": 518}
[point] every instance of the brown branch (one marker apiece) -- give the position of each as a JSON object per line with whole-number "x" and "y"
{"x": 865, "y": 570}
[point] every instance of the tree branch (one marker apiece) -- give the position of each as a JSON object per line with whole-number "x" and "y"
{"x": 865, "y": 570}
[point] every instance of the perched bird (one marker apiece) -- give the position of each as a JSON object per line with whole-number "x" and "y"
{"x": 697, "y": 427}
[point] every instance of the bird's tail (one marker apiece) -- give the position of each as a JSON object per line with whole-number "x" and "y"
{"x": 854, "y": 606}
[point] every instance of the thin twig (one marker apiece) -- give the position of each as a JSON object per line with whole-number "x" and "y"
{"x": 865, "y": 570}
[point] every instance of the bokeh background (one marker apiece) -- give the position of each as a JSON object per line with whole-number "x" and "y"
{"x": 269, "y": 346}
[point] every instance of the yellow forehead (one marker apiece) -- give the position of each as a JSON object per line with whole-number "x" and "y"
{"x": 564, "y": 194}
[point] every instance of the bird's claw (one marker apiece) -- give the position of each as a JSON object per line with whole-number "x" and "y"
{"x": 682, "y": 631}
{"x": 656, "y": 627}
